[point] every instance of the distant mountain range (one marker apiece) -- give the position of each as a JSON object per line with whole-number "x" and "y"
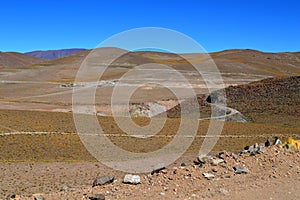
{"x": 53, "y": 54}
{"x": 245, "y": 62}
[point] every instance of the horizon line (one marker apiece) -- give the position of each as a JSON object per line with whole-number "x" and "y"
{"x": 153, "y": 50}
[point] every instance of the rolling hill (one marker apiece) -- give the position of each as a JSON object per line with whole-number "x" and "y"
{"x": 252, "y": 61}
{"x": 228, "y": 61}
{"x": 14, "y": 60}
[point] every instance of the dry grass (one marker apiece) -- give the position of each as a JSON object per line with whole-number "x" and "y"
{"x": 68, "y": 147}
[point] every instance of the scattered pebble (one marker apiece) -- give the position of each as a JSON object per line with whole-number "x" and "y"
{"x": 162, "y": 193}
{"x": 222, "y": 191}
{"x": 216, "y": 161}
{"x": 158, "y": 169}
{"x": 183, "y": 165}
{"x": 97, "y": 197}
{"x": 214, "y": 169}
{"x": 239, "y": 169}
{"x": 39, "y": 198}
{"x": 103, "y": 180}
{"x": 227, "y": 176}
{"x": 64, "y": 188}
{"x": 204, "y": 159}
{"x": 208, "y": 175}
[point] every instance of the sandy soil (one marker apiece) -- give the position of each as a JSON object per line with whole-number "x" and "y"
{"x": 273, "y": 175}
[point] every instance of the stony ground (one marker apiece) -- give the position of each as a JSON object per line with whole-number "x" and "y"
{"x": 274, "y": 174}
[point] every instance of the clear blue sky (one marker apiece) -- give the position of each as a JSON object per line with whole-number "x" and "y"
{"x": 266, "y": 25}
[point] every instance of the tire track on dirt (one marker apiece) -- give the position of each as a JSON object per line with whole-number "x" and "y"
{"x": 156, "y": 136}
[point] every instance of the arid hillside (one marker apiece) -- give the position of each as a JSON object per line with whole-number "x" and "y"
{"x": 14, "y": 60}
{"x": 252, "y": 61}
{"x": 255, "y": 65}
{"x": 272, "y": 101}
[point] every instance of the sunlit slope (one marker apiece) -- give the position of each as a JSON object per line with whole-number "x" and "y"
{"x": 14, "y": 60}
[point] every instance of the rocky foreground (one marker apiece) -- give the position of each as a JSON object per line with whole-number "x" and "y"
{"x": 261, "y": 171}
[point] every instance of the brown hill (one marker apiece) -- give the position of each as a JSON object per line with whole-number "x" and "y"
{"x": 72, "y": 59}
{"x": 230, "y": 62}
{"x": 251, "y": 61}
{"x": 128, "y": 60}
{"x": 272, "y": 101}
{"x": 17, "y": 60}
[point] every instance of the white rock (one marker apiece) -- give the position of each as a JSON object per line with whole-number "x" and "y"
{"x": 208, "y": 175}
{"x": 162, "y": 193}
{"x": 216, "y": 161}
{"x": 132, "y": 179}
